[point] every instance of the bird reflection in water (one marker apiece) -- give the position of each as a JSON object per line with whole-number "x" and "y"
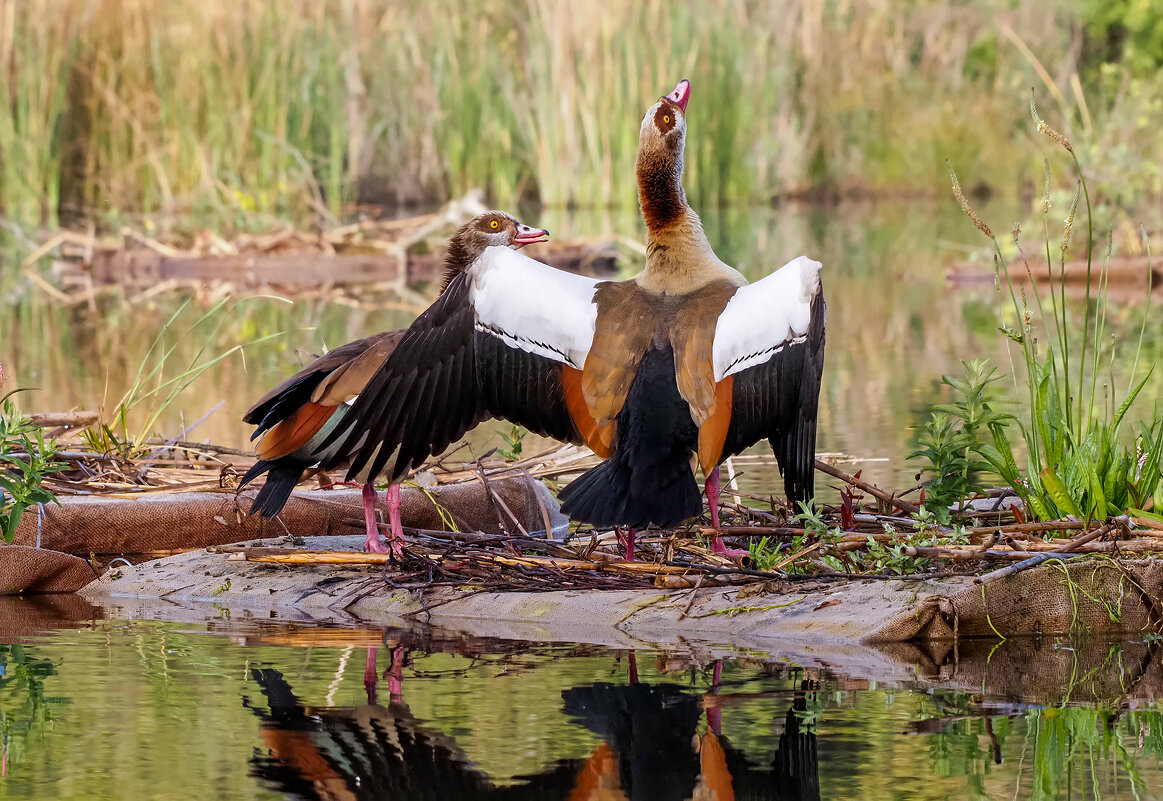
{"x": 651, "y": 749}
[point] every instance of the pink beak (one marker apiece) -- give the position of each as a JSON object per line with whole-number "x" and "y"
{"x": 527, "y": 235}
{"x": 681, "y": 94}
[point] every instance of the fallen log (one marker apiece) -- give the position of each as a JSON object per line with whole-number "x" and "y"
{"x": 141, "y": 267}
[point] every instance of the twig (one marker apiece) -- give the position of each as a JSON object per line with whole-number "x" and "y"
{"x": 1033, "y": 561}
{"x": 876, "y": 492}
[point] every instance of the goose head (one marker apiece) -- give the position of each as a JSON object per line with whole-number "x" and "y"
{"x": 497, "y": 229}
{"x": 491, "y": 229}
{"x": 659, "y": 164}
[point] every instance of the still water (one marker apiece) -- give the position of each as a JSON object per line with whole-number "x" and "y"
{"x": 895, "y": 326}
{"x": 100, "y": 708}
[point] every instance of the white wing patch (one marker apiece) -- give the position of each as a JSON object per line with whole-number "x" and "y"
{"x": 534, "y": 307}
{"x": 763, "y": 318}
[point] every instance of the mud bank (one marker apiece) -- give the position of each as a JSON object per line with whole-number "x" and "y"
{"x": 1082, "y": 596}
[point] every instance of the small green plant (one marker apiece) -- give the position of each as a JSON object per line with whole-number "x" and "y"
{"x": 891, "y": 558}
{"x": 1077, "y": 460}
{"x": 26, "y": 457}
{"x": 764, "y": 554}
{"x": 514, "y": 443}
{"x": 951, "y": 441}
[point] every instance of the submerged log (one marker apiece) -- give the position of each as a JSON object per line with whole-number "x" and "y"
{"x": 142, "y": 267}
{"x": 1126, "y": 278}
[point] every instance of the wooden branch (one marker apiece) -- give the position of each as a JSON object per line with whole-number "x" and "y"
{"x": 876, "y": 492}
{"x": 63, "y": 419}
{"x": 288, "y": 556}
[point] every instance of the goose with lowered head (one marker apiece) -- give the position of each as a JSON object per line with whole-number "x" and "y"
{"x": 295, "y": 418}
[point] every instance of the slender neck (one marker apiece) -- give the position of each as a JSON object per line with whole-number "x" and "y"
{"x": 458, "y": 257}
{"x": 679, "y": 259}
{"x": 660, "y": 192}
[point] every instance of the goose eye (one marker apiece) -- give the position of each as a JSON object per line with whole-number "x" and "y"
{"x": 493, "y": 224}
{"x": 666, "y": 119}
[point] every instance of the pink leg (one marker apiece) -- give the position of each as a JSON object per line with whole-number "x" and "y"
{"x": 626, "y": 540}
{"x": 396, "y": 538}
{"x": 369, "y": 674}
{"x": 396, "y": 674}
{"x": 632, "y": 661}
{"x": 713, "y": 487}
{"x": 714, "y": 711}
{"x": 369, "y": 519}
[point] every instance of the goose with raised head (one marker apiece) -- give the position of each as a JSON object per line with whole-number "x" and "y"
{"x": 681, "y": 366}
{"x": 293, "y": 419}
{"x": 690, "y": 363}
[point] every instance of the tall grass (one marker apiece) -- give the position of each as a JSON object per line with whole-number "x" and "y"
{"x": 294, "y": 107}
{"x": 1070, "y": 414}
{"x": 166, "y": 371}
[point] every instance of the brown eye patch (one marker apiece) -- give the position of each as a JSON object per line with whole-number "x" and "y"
{"x": 664, "y": 118}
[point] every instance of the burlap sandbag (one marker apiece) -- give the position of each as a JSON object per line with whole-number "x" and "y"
{"x": 33, "y": 614}
{"x": 177, "y": 520}
{"x": 25, "y": 571}
{"x": 1072, "y": 597}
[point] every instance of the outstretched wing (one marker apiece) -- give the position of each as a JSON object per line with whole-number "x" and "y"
{"x": 769, "y": 344}
{"x": 292, "y": 414}
{"x": 495, "y": 344}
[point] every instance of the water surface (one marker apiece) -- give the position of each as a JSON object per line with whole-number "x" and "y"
{"x": 99, "y": 708}
{"x": 895, "y": 326}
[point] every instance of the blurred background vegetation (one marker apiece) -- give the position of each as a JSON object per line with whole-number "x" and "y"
{"x": 229, "y": 113}
{"x": 172, "y": 116}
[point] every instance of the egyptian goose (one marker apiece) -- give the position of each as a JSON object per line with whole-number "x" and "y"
{"x": 685, "y": 363}
{"x": 295, "y": 417}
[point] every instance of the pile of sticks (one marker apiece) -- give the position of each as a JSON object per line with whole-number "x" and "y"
{"x": 836, "y": 546}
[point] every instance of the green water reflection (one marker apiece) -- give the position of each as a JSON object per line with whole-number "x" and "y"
{"x": 894, "y": 325}
{"x": 113, "y": 709}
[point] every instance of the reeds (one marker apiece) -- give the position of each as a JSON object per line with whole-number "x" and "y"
{"x": 235, "y": 110}
{"x": 1078, "y": 461}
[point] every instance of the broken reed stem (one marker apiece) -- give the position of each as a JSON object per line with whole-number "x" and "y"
{"x": 875, "y": 492}
{"x": 1029, "y": 528}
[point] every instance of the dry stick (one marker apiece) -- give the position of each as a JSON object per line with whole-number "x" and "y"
{"x": 1033, "y": 561}
{"x": 802, "y": 552}
{"x": 691, "y": 602}
{"x": 199, "y": 446}
{"x": 1082, "y": 539}
{"x": 476, "y": 538}
{"x": 495, "y": 500}
{"x": 58, "y": 419}
{"x": 960, "y": 554}
{"x": 755, "y": 531}
{"x": 430, "y": 607}
{"x": 286, "y": 556}
{"x": 876, "y": 492}
{"x": 822, "y": 575}
{"x": 1030, "y": 528}
{"x": 749, "y": 511}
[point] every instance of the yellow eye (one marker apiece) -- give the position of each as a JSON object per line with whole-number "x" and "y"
{"x": 666, "y": 119}
{"x": 493, "y": 224}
